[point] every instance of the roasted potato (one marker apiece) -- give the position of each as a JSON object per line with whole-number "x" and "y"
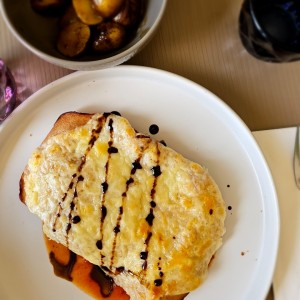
{"x": 108, "y": 8}
{"x": 73, "y": 39}
{"x": 108, "y": 36}
{"x": 92, "y": 26}
{"x": 86, "y": 12}
{"x": 49, "y": 7}
{"x": 131, "y": 13}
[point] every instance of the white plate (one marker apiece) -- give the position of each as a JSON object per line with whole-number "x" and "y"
{"x": 191, "y": 120}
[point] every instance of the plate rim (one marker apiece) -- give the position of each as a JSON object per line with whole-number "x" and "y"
{"x": 262, "y": 292}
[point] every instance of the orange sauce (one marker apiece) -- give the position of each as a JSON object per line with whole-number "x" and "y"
{"x": 79, "y": 273}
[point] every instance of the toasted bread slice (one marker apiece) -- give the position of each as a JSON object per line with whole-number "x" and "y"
{"x": 150, "y": 218}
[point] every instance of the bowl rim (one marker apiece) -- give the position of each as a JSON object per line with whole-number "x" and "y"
{"x": 88, "y": 65}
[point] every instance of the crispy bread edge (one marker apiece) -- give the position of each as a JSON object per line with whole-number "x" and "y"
{"x": 65, "y": 122}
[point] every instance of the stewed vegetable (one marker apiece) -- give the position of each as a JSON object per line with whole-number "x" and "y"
{"x": 108, "y": 8}
{"x": 92, "y": 26}
{"x": 131, "y": 13}
{"x": 73, "y": 39}
{"x": 86, "y": 12}
{"x": 108, "y": 36}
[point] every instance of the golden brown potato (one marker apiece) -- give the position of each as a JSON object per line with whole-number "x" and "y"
{"x": 108, "y": 36}
{"x": 51, "y": 7}
{"x": 73, "y": 39}
{"x": 86, "y": 12}
{"x": 108, "y": 8}
{"x": 131, "y": 13}
{"x": 121, "y": 18}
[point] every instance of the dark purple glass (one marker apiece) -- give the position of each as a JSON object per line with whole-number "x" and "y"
{"x": 270, "y": 29}
{"x": 8, "y": 91}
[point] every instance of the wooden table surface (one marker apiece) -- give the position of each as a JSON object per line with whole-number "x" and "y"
{"x": 199, "y": 40}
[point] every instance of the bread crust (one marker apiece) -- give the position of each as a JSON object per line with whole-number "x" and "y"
{"x": 65, "y": 122}
{"x": 68, "y": 121}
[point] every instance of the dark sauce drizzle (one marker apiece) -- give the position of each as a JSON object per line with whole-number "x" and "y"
{"x": 105, "y": 282}
{"x": 142, "y": 136}
{"x": 136, "y": 165}
{"x": 97, "y": 274}
{"x": 61, "y": 270}
{"x": 118, "y": 223}
{"x": 77, "y": 177}
{"x": 64, "y": 271}
{"x": 153, "y": 129}
{"x": 156, "y": 172}
{"x": 111, "y": 150}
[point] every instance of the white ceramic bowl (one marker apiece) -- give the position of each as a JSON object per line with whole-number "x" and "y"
{"x": 38, "y": 34}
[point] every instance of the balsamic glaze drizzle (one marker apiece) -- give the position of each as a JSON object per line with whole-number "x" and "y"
{"x": 76, "y": 219}
{"x": 145, "y": 263}
{"x": 105, "y": 185}
{"x": 150, "y": 217}
{"x": 99, "y": 244}
{"x": 61, "y": 270}
{"x": 156, "y": 172}
{"x": 157, "y": 282}
{"x": 136, "y": 165}
{"x": 144, "y": 255}
{"x": 72, "y": 190}
{"x": 77, "y": 177}
{"x": 105, "y": 283}
{"x": 153, "y": 129}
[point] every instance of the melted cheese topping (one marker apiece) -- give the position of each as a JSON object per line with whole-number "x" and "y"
{"x": 149, "y": 217}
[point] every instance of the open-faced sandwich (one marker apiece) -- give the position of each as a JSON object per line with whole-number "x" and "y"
{"x": 150, "y": 218}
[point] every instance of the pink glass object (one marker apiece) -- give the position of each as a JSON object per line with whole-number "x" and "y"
{"x": 8, "y": 91}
